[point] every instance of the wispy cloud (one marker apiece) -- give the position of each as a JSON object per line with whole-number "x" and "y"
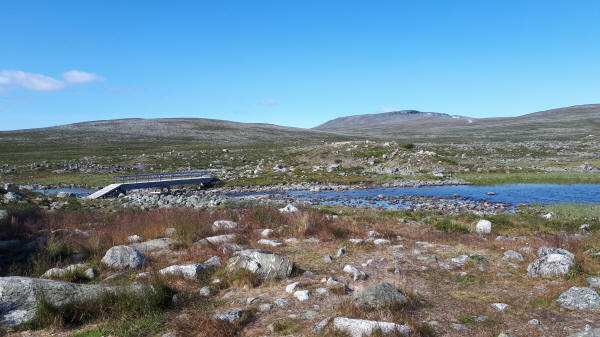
{"x": 11, "y": 79}
{"x": 78, "y": 77}
{"x": 37, "y": 82}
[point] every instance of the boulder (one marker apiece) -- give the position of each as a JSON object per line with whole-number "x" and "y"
{"x": 220, "y": 225}
{"x": 123, "y": 257}
{"x": 153, "y": 245}
{"x": 362, "y": 327}
{"x": 189, "y": 271}
{"x": 265, "y": 265}
{"x": 550, "y": 265}
{"x": 483, "y": 227}
{"x": 580, "y": 298}
{"x": 379, "y": 295}
{"x": 18, "y": 303}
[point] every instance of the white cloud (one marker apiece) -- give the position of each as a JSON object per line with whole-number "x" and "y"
{"x": 78, "y": 77}
{"x": 37, "y": 82}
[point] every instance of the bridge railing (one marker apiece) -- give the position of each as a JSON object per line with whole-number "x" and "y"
{"x": 163, "y": 176}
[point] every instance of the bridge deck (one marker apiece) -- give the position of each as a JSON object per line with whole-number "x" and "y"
{"x": 126, "y": 183}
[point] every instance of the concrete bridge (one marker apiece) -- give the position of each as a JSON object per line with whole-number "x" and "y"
{"x": 122, "y": 184}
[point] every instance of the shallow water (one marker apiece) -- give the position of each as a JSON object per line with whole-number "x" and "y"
{"x": 513, "y": 194}
{"x": 80, "y": 192}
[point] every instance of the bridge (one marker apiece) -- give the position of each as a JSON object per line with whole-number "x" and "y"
{"x": 122, "y": 184}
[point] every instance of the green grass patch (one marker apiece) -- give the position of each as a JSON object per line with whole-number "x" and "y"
{"x": 286, "y": 326}
{"x": 447, "y": 225}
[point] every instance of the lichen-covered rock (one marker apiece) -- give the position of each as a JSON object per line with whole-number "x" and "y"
{"x": 19, "y": 296}
{"x": 379, "y": 295}
{"x": 362, "y": 327}
{"x": 189, "y": 271}
{"x": 580, "y": 298}
{"x": 550, "y": 265}
{"x": 123, "y": 257}
{"x": 265, "y": 265}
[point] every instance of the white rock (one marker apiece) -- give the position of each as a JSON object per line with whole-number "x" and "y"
{"x": 356, "y": 241}
{"x": 483, "y": 227}
{"x": 134, "y": 238}
{"x": 292, "y": 286}
{"x": 357, "y": 274}
{"x": 381, "y": 241}
{"x": 361, "y": 327}
{"x": 122, "y": 257}
{"x": 302, "y": 295}
{"x": 267, "y": 242}
{"x": 499, "y": 306}
{"x": 267, "y": 232}
{"x": 289, "y": 209}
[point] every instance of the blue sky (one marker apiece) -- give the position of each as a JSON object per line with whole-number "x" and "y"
{"x": 297, "y": 63}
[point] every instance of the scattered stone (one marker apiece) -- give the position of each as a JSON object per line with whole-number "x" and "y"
{"x": 381, "y": 241}
{"x": 292, "y": 286}
{"x": 134, "y": 238}
{"x": 331, "y": 282}
{"x": 322, "y": 291}
{"x": 265, "y": 307}
{"x": 282, "y": 302}
{"x": 310, "y": 314}
{"x": 170, "y": 231}
{"x": 580, "y": 298}
{"x": 483, "y": 227}
{"x": 594, "y": 282}
{"x": 267, "y": 242}
{"x": 379, "y": 295}
{"x": 535, "y": 322}
{"x": 230, "y": 316}
{"x": 267, "y": 232}
{"x": 357, "y": 274}
{"x": 123, "y": 257}
{"x": 499, "y": 306}
{"x": 512, "y": 255}
{"x": 265, "y": 265}
{"x": 327, "y": 259}
{"x": 302, "y": 295}
{"x": 189, "y": 271}
{"x": 205, "y": 291}
{"x": 459, "y": 327}
{"x": 289, "y": 209}
{"x": 341, "y": 252}
{"x": 356, "y": 241}
{"x": 460, "y": 260}
{"x": 361, "y": 327}
{"x": 220, "y": 225}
